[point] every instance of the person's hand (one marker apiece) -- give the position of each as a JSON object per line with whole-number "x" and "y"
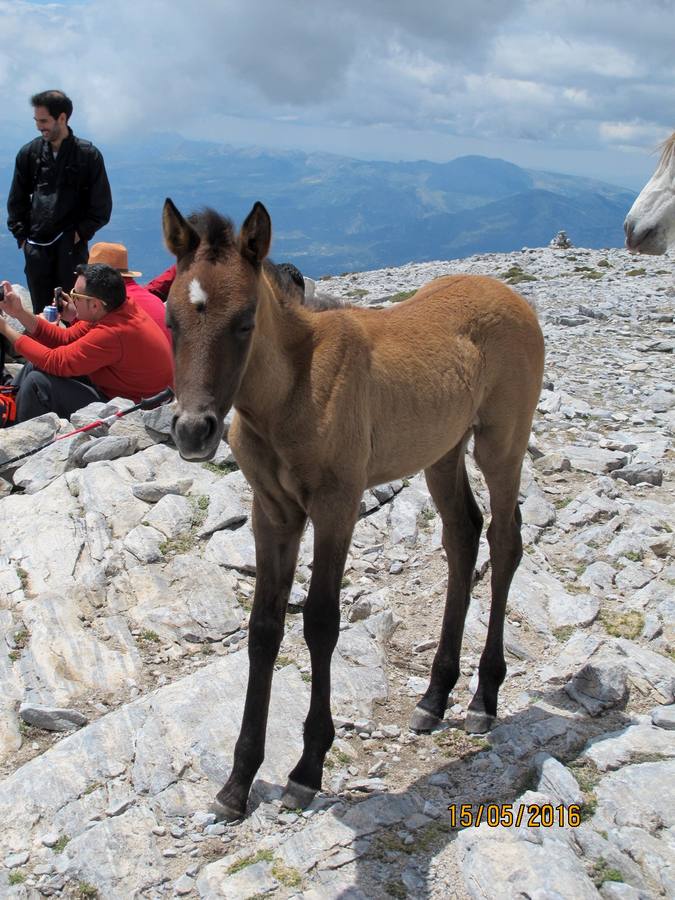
{"x": 68, "y": 310}
{"x": 11, "y": 303}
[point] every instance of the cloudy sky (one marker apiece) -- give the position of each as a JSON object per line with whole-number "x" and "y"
{"x": 580, "y": 86}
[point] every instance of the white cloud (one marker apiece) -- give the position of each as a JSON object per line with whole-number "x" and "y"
{"x": 565, "y": 73}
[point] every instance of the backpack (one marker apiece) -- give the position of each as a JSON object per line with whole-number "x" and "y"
{"x": 7, "y": 393}
{"x": 7, "y": 405}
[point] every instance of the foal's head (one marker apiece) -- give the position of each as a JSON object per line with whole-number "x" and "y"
{"x": 211, "y": 311}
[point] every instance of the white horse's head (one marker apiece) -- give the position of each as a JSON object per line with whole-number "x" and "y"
{"x": 650, "y": 224}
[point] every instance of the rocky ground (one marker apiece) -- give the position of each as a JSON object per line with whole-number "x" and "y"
{"x": 125, "y": 583}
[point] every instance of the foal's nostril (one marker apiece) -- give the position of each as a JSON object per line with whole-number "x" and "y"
{"x": 194, "y": 433}
{"x": 210, "y": 425}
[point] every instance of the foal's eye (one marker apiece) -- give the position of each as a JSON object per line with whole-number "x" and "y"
{"x": 243, "y": 329}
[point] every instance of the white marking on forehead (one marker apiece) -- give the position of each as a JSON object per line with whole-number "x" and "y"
{"x": 197, "y": 294}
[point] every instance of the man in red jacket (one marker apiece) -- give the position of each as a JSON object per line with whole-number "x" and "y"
{"x": 113, "y": 350}
{"x": 116, "y": 255}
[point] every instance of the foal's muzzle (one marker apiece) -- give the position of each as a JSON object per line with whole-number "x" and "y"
{"x": 196, "y": 435}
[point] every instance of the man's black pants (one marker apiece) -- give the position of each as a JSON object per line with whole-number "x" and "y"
{"x": 52, "y": 266}
{"x": 40, "y": 393}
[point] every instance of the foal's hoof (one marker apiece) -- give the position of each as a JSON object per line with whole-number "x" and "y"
{"x": 297, "y": 796}
{"x": 423, "y": 720}
{"x": 226, "y": 813}
{"x": 478, "y": 722}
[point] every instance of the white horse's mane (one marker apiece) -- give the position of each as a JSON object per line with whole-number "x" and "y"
{"x": 667, "y": 149}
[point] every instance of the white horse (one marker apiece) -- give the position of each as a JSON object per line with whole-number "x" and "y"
{"x": 650, "y": 224}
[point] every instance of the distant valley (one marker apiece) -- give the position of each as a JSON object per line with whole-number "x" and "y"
{"x": 333, "y": 214}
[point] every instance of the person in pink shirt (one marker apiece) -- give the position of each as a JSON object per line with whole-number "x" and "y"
{"x": 116, "y": 255}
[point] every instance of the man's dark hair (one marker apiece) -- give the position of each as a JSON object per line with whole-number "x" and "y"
{"x": 55, "y": 102}
{"x": 104, "y": 283}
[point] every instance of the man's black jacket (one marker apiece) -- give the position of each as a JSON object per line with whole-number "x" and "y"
{"x": 69, "y": 193}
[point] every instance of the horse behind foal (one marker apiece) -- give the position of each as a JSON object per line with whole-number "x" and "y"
{"x": 328, "y": 404}
{"x": 650, "y": 223}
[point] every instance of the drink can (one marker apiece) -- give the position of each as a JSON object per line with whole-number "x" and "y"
{"x": 50, "y": 313}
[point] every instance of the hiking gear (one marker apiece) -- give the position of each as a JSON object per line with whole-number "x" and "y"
{"x": 148, "y": 403}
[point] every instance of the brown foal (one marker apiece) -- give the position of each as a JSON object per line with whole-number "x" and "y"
{"x": 328, "y": 404}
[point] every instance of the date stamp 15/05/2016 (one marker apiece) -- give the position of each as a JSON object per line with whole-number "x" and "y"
{"x": 533, "y": 815}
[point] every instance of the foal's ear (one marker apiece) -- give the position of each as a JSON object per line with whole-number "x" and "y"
{"x": 179, "y": 237}
{"x": 256, "y": 235}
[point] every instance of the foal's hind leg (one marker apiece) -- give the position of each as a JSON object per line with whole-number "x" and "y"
{"x": 501, "y": 466}
{"x": 462, "y": 524}
{"x": 276, "y": 555}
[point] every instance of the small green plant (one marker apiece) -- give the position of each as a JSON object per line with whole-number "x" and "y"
{"x": 634, "y": 272}
{"x": 587, "y": 777}
{"x": 203, "y": 502}
{"x": 628, "y": 624}
{"x": 454, "y": 743}
{"x": 605, "y": 263}
{"x": 346, "y": 581}
{"x": 22, "y": 575}
{"x": 601, "y": 872}
{"x": 86, "y": 891}
{"x": 563, "y": 633}
{"x": 395, "y": 889}
{"x": 586, "y": 774}
{"x": 634, "y": 555}
{"x": 286, "y": 875}
{"x": 402, "y": 295}
{"x": 515, "y": 275}
{"x": 178, "y": 545}
{"x": 342, "y": 757}
{"x": 148, "y": 636}
{"x": 16, "y": 877}
{"x": 246, "y": 861}
{"x": 283, "y": 661}
{"x": 21, "y": 638}
{"x": 61, "y": 844}
{"x": 220, "y": 468}
{"x": 357, "y": 292}
{"x": 588, "y": 272}
{"x": 14, "y": 655}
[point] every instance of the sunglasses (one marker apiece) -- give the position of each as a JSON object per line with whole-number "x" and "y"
{"x": 75, "y": 295}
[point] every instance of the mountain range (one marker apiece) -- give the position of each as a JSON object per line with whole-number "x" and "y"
{"x": 333, "y": 214}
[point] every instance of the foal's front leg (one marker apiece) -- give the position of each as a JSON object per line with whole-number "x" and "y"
{"x": 333, "y": 525}
{"x": 276, "y": 557}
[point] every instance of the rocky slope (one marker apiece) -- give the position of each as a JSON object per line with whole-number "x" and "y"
{"x": 125, "y": 583}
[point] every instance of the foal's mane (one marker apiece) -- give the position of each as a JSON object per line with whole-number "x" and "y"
{"x": 215, "y": 231}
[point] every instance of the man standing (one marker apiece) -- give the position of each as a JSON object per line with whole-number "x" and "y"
{"x": 60, "y": 196}
{"x": 113, "y": 350}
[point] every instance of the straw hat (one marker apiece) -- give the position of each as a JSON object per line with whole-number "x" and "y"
{"x": 114, "y": 255}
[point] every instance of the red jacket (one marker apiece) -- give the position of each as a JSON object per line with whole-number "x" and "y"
{"x": 149, "y": 302}
{"x": 124, "y": 354}
{"x": 161, "y": 285}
